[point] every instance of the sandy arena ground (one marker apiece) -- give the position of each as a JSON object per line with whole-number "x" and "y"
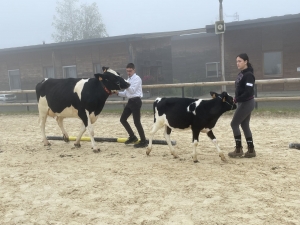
{"x": 121, "y": 185}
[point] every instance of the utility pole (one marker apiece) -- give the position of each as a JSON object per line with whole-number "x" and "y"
{"x": 222, "y": 45}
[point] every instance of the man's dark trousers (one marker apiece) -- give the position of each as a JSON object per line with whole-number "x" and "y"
{"x": 133, "y": 107}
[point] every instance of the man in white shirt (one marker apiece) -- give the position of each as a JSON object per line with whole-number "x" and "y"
{"x": 134, "y": 94}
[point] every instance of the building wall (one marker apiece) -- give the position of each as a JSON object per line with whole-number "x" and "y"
{"x": 153, "y": 57}
{"x": 256, "y": 41}
{"x": 190, "y": 55}
{"x": 180, "y": 59}
{"x": 31, "y": 63}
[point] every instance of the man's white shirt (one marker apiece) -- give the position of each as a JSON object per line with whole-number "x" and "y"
{"x": 135, "y": 89}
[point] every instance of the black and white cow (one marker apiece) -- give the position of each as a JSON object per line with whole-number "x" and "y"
{"x": 197, "y": 114}
{"x": 76, "y": 97}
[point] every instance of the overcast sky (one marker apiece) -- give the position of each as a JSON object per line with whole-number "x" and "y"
{"x": 28, "y": 22}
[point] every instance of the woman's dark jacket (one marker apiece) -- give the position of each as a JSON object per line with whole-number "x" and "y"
{"x": 244, "y": 85}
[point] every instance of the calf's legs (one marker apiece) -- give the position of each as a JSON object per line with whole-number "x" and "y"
{"x": 168, "y": 139}
{"x": 212, "y": 137}
{"x": 196, "y": 133}
{"x": 156, "y": 126}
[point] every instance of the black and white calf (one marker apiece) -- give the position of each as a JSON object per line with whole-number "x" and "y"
{"x": 196, "y": 114}
{"x": 75, "y": 97}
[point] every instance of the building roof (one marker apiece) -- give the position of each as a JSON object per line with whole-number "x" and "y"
{"x": 257, "y": 22}
{"x": 193, "y": 36}
{"x": 105, "y": 40}
{"x": 175, "y": 34}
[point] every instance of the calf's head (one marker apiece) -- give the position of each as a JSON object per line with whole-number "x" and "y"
{"x": 227, "y": 100}
{"x": 112, "y": 79}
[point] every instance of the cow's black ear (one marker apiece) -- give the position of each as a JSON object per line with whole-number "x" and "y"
{"x": 213, "y": 94}
{"x": 98, "y": 76}
{"x": 224, "y": 95}
{"x": 104, "y": 69}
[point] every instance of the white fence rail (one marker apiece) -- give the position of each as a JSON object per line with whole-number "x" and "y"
{"x": 196, "y": 84}
{"x": 181, "y": 85}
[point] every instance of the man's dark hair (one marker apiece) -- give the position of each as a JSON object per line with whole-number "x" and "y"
{"x": 130, "y": 66}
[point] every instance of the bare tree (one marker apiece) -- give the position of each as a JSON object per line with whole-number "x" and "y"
{"x": 75, "y": 23}
{"x": 90, "y": 20}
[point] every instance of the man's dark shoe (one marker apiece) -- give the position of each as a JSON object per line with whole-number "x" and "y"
{"x": 141, "y": 144}
{"x": 131, "y": 140}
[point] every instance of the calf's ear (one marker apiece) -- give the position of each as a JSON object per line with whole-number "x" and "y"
{"x": 98, "y": 76}
{"x": 213, "y": 94}
{"x": 224, "y": 95}
{"x": 104, "y": 68}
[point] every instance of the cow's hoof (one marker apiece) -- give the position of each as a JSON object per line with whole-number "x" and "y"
{"x": 65, "y": 138}
{"x": 148, "y": 151}
{"x": 223, "y": 157}
{"x": 96, "y": 150}
{"x": 77, "y": 145}
{"x": 48, "y": 144}
{"x": 196, "y": 161}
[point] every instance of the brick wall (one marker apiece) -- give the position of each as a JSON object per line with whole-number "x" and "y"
{"x": 152, "y": 54}
{"x": 256, "y": 41}
{"x": 190, "y": 55}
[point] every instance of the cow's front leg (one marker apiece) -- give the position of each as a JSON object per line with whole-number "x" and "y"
{"x": 212, "y": 137}
{"x": 167, "y": 133}
{"x": 59, "y": 120}
{"x": 90, "y": 129}
{"x": 82, "y": 130}
{"x": 196, "y": 133}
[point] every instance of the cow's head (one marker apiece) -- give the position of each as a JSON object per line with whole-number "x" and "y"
{"x": 112, "y": 79}
{"x": 227, "y": 100}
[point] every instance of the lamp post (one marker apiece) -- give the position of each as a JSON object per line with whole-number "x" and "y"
{"x": 222, "y": 46}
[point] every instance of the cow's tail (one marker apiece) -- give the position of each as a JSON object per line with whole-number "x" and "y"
{"x": 155, "y": 106}
{"x": 38, "y": 91}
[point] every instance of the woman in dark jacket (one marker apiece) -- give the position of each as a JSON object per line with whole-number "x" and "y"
{"x": 244, "y": 97}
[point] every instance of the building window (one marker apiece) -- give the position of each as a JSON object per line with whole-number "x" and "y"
{"x": 69, "y": 71}
{"x": 49, "y": 72}
{"x": 14, "y": 79}
{"x": 273, "y": 64}
{"x": 212, "y": 69}
{"x": 97, "y": 68}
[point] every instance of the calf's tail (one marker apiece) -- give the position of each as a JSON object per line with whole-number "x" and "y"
{"x": 154, "y": 106}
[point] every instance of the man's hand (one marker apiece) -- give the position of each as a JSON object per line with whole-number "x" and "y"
{"x": 114, "y": 92}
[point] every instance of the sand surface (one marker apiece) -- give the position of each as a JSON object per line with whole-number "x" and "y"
{"x": 122, "y": 185}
